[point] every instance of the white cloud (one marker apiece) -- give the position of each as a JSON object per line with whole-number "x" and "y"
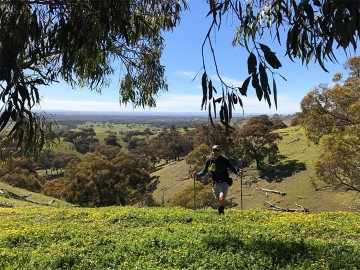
{"x": 187, "y": 74}
{"x": 179, "y": 103}
{"x": 72, "y": 105}
{"x": 165, "y": 103}
{"x": 229, "y": 81}
{"x": 285, "y": 104}
{"x": 175, "y": 103}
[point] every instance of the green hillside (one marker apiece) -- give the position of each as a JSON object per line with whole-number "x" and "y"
{"x": 16, "y": 197}
{"x": 296, "y": 152}
{"x": 295, "y": 177}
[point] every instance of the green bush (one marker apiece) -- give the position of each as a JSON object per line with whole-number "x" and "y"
{"x": 203, "y": 197}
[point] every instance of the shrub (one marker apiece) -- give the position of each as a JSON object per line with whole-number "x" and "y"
{"x": 203, "y": 197}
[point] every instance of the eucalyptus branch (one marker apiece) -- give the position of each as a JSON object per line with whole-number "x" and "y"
{"x": 234, "y": 9}
{"x": 351, "y": 187}
{"x": 340, "y": 117}
{"x": 203, "y": 45}
{"x": 216, "y": 66}
{"x": 213, "y": 56}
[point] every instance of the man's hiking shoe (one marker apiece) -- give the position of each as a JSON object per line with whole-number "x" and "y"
{"x": 221, "y": 210}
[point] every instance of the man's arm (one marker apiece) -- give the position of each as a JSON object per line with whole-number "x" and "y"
{"x": 235, "y": 169}
{"x": 203, "y": 171}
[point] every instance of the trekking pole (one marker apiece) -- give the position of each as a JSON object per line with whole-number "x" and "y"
{"x": 241, "y": 184}
{"x": 241, "y": 191}
{"x": 194, "y": 194}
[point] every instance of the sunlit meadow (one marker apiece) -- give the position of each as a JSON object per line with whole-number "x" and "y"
{"x": 176, "y": 238}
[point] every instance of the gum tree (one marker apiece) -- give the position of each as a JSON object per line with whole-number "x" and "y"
{"x": 257, "y": 141}
{"x": 331, "y": 117}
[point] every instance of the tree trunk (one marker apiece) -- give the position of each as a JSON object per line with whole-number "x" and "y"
{"x": 258, "y": 163}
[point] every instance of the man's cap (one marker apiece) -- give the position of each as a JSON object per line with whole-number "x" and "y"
{"x": 216, "y": 147}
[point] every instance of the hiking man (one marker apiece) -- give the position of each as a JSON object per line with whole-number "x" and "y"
{"x": 218, "y": 165}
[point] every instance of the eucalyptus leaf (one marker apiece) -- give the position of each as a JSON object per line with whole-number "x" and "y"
{"x": 275, "y": 93}
{"x": 210, "y": 89}
{"x": 210, "y": 115}
{"x": 256, "y": 84}
{"x": 204, "y": 88}
{"x": 252, "y": 63}
{"x": 244, "y": 87}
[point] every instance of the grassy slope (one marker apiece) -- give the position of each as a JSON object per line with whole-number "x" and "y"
{"x": 173, "y": 177}
{"x": 33, "y": 199}
{"x": 298, "y": 187}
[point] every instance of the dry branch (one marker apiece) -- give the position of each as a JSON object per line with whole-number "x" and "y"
{"x": 323, "y": 187}
{"x": 20, "y": 197}
{"x": 274, "y": 207}
{"x": 273, "y": 191}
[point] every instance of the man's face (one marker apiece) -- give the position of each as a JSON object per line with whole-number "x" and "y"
{"x": 215, "y": 153}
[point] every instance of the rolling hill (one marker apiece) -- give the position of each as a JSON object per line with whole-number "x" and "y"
{"x": 295, "y": 177}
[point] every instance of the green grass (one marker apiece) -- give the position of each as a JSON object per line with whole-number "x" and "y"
{"x": 64, "y": 147}
{"x": 101, "y": 129}
{"x": 294, "y": 145}
{"x": 176, "y": 238}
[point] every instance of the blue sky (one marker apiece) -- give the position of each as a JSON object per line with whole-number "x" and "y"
{"x": 182, "y": 60}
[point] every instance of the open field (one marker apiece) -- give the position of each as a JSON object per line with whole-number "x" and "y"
{"x": 176, "y": 238}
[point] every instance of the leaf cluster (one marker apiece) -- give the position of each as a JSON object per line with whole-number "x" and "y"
{"x": 42, "y": 42}
{"x": 338, "y": 164}
{"x": 313, "y": 29}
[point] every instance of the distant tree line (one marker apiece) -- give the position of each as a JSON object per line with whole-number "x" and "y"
{"x": 102, "y": 173}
